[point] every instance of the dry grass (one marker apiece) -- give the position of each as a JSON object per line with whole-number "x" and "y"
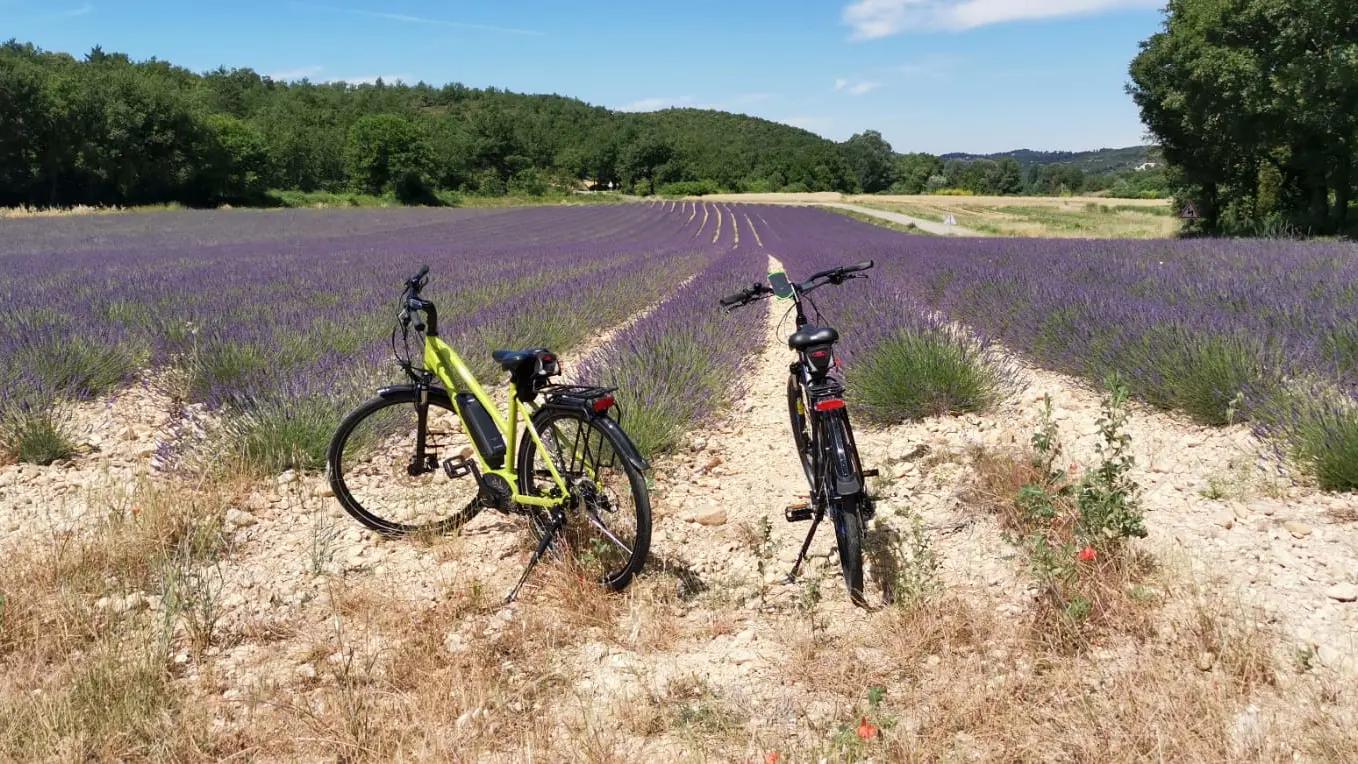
{"x": 573, "y": 673}
{"x": 1080, "y": 217}
{"x": 85, "y": 670}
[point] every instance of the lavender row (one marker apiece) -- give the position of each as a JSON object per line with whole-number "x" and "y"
{"x": 286, "y": 324}
{"x": 686, "y": 359}
{"x": 1155, "y": 311}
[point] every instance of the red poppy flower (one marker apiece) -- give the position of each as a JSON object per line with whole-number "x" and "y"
{"x": 772, "y": 758}
{"x": 1088, "y": 554}
{"x": 866, "y": 731}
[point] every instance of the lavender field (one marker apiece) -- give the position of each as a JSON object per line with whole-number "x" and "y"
{"x": 281, "y": 320}
{"x": 1223, "y": 331}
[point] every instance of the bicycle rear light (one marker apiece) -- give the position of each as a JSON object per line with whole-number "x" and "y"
{"x": 830, "y": 405}
{"x": 603, "y": 404}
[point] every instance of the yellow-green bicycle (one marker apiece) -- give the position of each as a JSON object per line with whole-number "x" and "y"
{"x": 397, "y": 461}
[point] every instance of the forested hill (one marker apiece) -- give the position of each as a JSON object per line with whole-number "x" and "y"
{"x": 1095, "y": 162}
{"x": 103, "y": 129}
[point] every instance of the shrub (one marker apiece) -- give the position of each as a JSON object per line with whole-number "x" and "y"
{"x": 273, "y": 436}
{"x": 1317, "y": 429}
{"x": 1204, "y": 375}
{"x": 1075, "y": 531}
{"x": 34, "y": 435}
{"x": 925, "y": 369}
{"x": 690, "y": 188}
{"x": 530, "y": 182}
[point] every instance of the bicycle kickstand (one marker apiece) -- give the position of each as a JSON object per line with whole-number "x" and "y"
{"x": 815, "y": 521}
{"x": 558, "y": 520}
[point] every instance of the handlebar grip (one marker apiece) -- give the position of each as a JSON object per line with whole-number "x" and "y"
{"x": 424, "y": 271}
{"x": 863, "y": 266}
{"x": 727, "y": 302}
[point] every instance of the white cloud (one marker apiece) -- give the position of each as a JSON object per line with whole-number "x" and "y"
{"x": 861, "y": 87}
{"x": 81, "y": 11}
{"x": 296, "y": 74}
{"x": 387, "y": 79}
{"x": 419, "y": 20}
{"x": 933, "y": 65}
{"x": 873, "y": 19}
{"x": 655, "y": 104}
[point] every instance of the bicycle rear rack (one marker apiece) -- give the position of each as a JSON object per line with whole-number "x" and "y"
{"x": 583, "y": 396}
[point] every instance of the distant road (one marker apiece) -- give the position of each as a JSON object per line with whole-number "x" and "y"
{"x": 928, "y": 226}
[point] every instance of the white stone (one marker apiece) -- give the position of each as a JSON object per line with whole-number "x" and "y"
{"x": 1344, "y": 592}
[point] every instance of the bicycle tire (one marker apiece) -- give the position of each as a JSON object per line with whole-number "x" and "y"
{"x": 336, "y": 466}
{"x": 840, "y": 462}
{"x": 797, "y": 413}
{"x": 532, "y": 480}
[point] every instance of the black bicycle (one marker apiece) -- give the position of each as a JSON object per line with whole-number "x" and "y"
{"x": 820, "y": 424}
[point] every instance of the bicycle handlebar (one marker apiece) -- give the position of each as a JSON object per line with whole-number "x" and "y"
{"x": 411, "y": 302}
{"x": 834, "y": 275}
{"x": 745, "y": 295}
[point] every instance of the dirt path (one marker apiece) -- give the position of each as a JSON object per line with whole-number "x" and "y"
{"x": 928, "y": 226}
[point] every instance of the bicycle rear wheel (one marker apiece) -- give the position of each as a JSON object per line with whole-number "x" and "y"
{"x": 801, "y": 425}
{"x": 844, "y": 491}
{"x": 385, "y": 465}
{"x": 608, "y": 517}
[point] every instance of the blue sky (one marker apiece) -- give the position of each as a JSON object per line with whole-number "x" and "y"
{"x": 930, "y": 75}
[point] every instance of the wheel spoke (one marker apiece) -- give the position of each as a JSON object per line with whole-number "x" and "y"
{"x": 597, "y": 523}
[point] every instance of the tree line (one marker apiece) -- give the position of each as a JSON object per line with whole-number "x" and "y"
{"x": 105, "y": 130}
{"x": 1255, "y": 105}
{"x": 879, "y": 169}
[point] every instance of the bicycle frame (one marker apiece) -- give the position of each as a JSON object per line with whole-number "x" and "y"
{"x": 442, "y": 360}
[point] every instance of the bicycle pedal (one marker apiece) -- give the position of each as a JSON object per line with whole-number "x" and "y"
{"x": 798, "y": 513}
{"x": 457, "y": 467}
{"x": 871, "y": 473}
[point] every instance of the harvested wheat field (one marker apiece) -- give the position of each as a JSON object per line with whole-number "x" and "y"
{"x": 1062, "y": 567}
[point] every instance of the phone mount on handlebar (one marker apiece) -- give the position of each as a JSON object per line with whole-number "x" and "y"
{"x": 782, "y": 288}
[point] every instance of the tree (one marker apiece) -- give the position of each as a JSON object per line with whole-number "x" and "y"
{"x": 1010, "y": 177}
{"x": 643, "y": 160}
{"x": 387, "y": 153}
{"x": 912, "y": 172}
{"x": 234, "y": 164}
{"x": 871, "y": 161}
{"x": 1255, "y": 104}
{"x": 25, "y": 125}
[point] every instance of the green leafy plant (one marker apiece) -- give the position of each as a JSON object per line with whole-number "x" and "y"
{"x": 1110, "y": 511}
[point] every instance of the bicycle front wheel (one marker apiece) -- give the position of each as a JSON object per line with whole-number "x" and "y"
{"x": 608, "y": 512}
{"x": 386, "y": 465}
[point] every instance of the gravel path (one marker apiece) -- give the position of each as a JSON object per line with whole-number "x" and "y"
{"x": 928, "y": 226}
